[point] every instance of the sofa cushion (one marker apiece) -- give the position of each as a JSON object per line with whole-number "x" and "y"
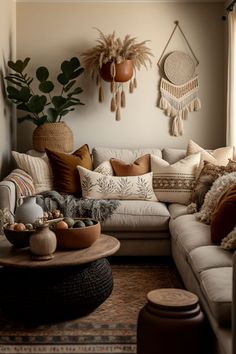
{"x": 98, "y": 186}
{"x": 174, "y": 183}
{"x": 65, "y": 174}
{"x": 173, "y": 155}
{"x": 189, "y": 233}
{"x": 218, "y": 156}
{"x": 139, "y": 167}
{"x": 38, "y": 168}
{"x": 101, "y": 154}
{"x": 138, "y": 216}
{"x": 216, "y": 285}
{"x": 176, "y": 210}
{"x": 208, "y": 257}
{"x": 223, "y": 218}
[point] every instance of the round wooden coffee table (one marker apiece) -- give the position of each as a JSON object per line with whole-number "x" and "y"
{"x": 71, "y": 284}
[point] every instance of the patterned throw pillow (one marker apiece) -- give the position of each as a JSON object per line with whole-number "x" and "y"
{"x": 137, "y": 168}
{"x": 65, "y": 174}
{"x": 207, "y": 177}
{"x": 38, "y": 168}
{"x": 105, "y": 168}
{"x": 97, "y": 186}
{"x": 174, "y": 183}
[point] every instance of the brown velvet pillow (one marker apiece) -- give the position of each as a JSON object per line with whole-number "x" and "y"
{"x": 207, "y": 177}
{"x": 137, "y": 168}
{"x": 224, "y": 216}
{"x": 65, "y": 174}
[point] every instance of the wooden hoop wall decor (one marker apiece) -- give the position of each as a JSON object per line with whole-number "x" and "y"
{"x": 179, "y": 87}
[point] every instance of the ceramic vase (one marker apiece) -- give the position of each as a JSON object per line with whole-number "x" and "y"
{"x": 28, "y": 211}
{"x": 43, "y": 243}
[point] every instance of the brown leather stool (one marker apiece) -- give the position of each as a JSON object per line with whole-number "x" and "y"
{"x": 172, "y": 323}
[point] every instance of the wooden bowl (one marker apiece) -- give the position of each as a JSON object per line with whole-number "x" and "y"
{"x": 76, "y": 238}
{"x": 18, "y": 239}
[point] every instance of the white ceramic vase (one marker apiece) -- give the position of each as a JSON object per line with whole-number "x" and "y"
{"x": 28, "y": 211}
{"x": 43, "y": 243}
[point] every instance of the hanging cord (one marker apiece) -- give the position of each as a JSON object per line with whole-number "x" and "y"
{"x": 168, "y": 42}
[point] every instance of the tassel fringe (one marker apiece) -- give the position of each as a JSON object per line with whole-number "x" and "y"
{"x": 123, "y": 101}
{"x": 118, "y": 114}
{"x": 100, "y": 94}
{"x": 113, "y": 104}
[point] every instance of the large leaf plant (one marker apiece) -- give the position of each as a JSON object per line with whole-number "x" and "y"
{"x": 44, "y": 108}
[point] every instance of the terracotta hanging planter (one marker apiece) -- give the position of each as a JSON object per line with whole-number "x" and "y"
{"x": 122, "y": 72}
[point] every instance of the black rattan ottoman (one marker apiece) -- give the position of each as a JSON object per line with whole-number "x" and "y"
{"x": 55, "y": 293}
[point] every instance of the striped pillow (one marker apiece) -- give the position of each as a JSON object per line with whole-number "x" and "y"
{"x": 23, "y": 182}
{"x": 38, "y": 168}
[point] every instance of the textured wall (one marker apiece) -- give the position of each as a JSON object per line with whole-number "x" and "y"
{"x": 7, "y": 119}
{"x": 52, "y": 32}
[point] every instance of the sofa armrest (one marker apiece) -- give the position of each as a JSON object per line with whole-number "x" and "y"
{"x": 7, "y": 195}
{"x": 234, "y": 306}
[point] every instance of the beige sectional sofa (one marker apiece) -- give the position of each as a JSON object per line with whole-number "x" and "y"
{"x": 163, "y": 229}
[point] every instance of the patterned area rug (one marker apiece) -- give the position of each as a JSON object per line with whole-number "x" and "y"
{"x": 109, "y": 329}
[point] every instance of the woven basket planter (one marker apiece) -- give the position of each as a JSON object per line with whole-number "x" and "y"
{"x": 55, "y": 136}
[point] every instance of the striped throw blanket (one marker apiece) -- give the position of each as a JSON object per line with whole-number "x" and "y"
{"x": 23, "y": 182}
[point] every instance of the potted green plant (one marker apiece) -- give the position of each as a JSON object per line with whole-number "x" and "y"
{"x": 45, "y": 109}
{"x": 116, "y": 61}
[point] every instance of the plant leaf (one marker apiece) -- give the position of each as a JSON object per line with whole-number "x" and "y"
{"x": 62, "y": 79}
{"x": 19, "y": 65}
{"x": 37, "y": 103}
{"x": 76, "y": 91}
{"x": 27, "y": 117}
{"x": 42, "y": 73}
{"x": 46, "y": 86}
{"x": 52, "y": 115}
{"x": 68, "y": 87}
{"x": 58, "y": 101}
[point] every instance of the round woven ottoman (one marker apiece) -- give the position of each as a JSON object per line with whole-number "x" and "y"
{"x": 55, "y": 293}
{"x": 171, "y": 323}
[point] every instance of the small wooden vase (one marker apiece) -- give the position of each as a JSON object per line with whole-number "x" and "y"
{"x": 43, "y": 243}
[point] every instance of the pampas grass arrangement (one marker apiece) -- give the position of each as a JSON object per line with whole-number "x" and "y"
{"x": 112, "y": 50}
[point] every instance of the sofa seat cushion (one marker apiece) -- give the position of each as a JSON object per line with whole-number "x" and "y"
{"x": 177, "y": 210}
{"x": 216, "y": 285}
{"x": 138, "y": 215}
{"x": 189, "y": 233}
{"x": 208, "y": 257}
{"x": 101, "y": 154}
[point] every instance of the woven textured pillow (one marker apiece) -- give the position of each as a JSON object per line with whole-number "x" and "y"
{"x": 98, "y": 186}
{"x": 223, "y": 218}
{"x": 38, "y": 168}
{"x": 210, "y": 172}
{"x": 174, "y": 183}
{"x": 65, "y": 173}
{"x": 139, "y": 167}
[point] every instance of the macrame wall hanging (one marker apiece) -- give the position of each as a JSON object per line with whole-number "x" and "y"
{"x": 179, "y": 85}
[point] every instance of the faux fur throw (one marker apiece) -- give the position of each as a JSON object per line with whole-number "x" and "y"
{"x": 178, "y": 101}
{"x": 220, "y": 186}
{"x": 69, "y": 205}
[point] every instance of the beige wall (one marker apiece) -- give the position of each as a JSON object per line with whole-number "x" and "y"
{"x": 7, "y": 119}
{"x": 52, "y": 32}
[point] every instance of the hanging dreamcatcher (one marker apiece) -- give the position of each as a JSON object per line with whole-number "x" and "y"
{"x": 179, "y": 87}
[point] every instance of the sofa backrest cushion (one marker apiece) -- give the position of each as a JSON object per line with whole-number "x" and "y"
{"x": 101, "y": 154}
{"x": 173, "y": 155}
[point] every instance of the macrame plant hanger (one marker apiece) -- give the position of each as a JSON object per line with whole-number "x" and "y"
{"x": 179, "y": 97}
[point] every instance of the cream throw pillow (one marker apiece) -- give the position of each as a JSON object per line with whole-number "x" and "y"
{"x": 174, "y": 183}
{"x": 38, "y": 168}
{"x": 219, "y": 156}
{"x": 98, "y": 186}
{"x": 105, "y": 168}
